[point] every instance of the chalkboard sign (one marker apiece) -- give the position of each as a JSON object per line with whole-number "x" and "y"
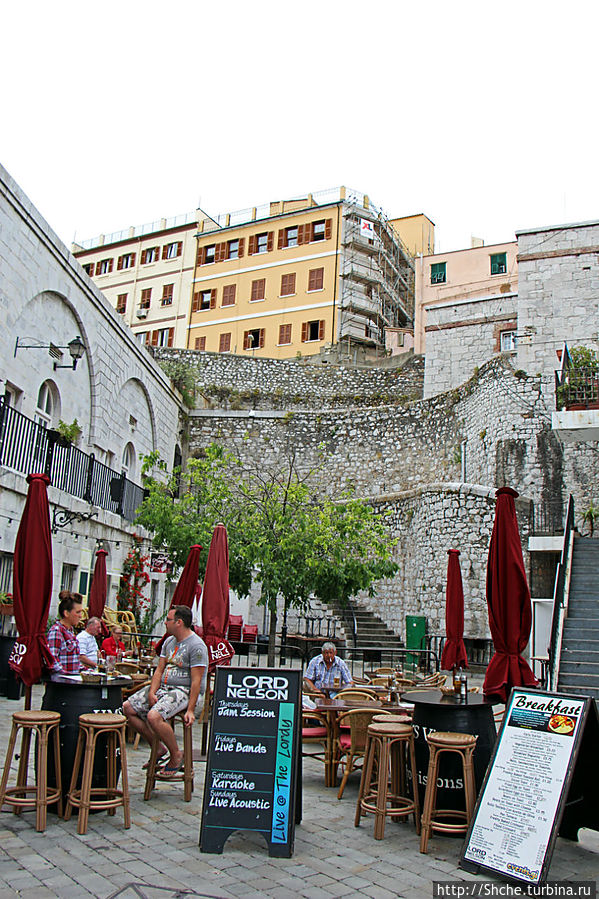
{"x": 542, "y": 774}
{"x": 253, "y": 770}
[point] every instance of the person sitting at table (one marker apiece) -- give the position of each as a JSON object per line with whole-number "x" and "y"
{"x": 112, "y": 645}
{"x": 178, "y": 684}
{"x": 61, "y": 639}
{"x": 88, "y": 645}
{"x": 326, "y": 670}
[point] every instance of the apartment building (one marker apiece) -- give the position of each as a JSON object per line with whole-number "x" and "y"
{"x": 287, "y": 278}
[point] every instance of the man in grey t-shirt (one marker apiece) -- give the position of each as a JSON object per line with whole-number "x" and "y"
{"x": 178, "y": 683}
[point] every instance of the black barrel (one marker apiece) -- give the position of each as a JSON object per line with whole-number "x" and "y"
{"x": 73, "y": 700}
{"x": 10, "y": 686}
{"x": 472, "y": 717}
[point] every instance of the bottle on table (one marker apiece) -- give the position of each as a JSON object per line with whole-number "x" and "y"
{"x": 457, "y": 679}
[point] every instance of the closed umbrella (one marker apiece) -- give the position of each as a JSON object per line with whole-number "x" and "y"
{"x": 454, "y": 651}
{"x": 97, "y": 592}
{"x": 215, "y": 601}
{"x": 185, "y": 590}
{"x": 508, "y": 601}
{"x": 32, "y": 585}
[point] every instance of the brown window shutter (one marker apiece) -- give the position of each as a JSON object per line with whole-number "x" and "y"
{"x": 119, "y": 264}
{"x": 304, "y": 331}
{"x": 213, "y": 299}
{"x": 241, "y": 246}
{"x": 300, "y": 235}
{"x": 148, "y": 335}
{"x": 201, "y": 255}
{"x": 91, "y": 269}
{"x": 179, "y": 247}
{"x": 171, "y": 335}
{"x": 252, "y": 245}
{"x": 195, "y": 303}
{"x": 328, "y": 229}
{"x": 221, "y": 252}
{"x": 270, "y": 240}
{"x": 261, "y": 341}
{"x": 154, "y": 338}
{"x": 165, "y": 251}
{"x": 321, "y": 329}
{"x": 281, "y": 243}
{"x": 246, "y": 340}
{"x": 110, "y": 265}
{"x": 132, "y": 259}
{"x": 143, "y": 257}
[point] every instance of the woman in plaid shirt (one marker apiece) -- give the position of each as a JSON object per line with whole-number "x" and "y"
{"x": 61, "y": 639}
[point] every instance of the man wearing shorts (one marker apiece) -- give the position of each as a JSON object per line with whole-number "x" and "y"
{"x": 178, "y": 684}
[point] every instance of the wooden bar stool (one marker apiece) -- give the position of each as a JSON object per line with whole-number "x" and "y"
{"x": 92, "y": 726}
{"x": 387, "y": 742}
{"x": 441, "y": 820}
{"x": 186, "y": 775}
{"x": 41, "y": 723}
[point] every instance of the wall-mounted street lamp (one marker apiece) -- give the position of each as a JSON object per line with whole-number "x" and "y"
{"x": 76, "y": 349}
{"x": 61, "y": 518}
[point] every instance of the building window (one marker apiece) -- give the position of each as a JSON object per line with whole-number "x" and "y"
{"x": 261, "y": 243}
{"x": 233, "y": 249}
{"x": 224, "y": 343}
{"x": 142, "y": 337}
{"x": 253, "y": 339}
{"x": 167, "y": 295}
{"x": 312, "y": 331}
{"x": 67, "y": 576}
{"x": 172, "y": 250}
{"x": 318, "y": 230}
{"x": 203, "y": 300}
{"x": 229, "y": 295}
{"x": 48, "y": 404}
{"x": 258, "y": 290}
{"x": 163, "y": 337}
{"x": 104, "y": 267}
{"x": 438, "y": 273}
{"x": 209, "y": 254}
{"x": 89, "y": 268}
{"x": 149, "y": 255}
{"x": 199, "y": 343}
{"x": 128, "y": 461}
{"x": 316, "y": 279}
{"x": 288, "y": 285}
{"x": 507, "y": 341}
{"x": 127, "y": 260}
{"x": 284, "y": 334}
{"x": 121, "y": 303}
{"x": 288, "y": 237}
{"x": 498, "y": 263}
{"x": 146, "y": 297}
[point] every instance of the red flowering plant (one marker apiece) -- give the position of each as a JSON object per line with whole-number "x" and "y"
{"x": 134, "y": 577}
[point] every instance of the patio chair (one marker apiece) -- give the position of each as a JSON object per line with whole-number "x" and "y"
{"x": 249, "y": 633}
{"x": 380, "y": 671}
{"x": 314, "y": 730}
{"x": 350, "y": 693}
{"x": 350, "y": 744}
{"x": 235, "y": 627}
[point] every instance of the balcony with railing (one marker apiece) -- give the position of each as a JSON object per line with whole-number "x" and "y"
{"x": 577, "y": 404}
{"x": 27, "y": 446}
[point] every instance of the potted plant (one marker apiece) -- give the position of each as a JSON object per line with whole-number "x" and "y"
{"x": 580, "y": 389}
{"x": 590, "y": 516}
{"x": 67, "y": 434}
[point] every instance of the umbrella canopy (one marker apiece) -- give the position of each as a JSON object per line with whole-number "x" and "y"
{"x": 215, "y": 602}
{"x": 32, "y": 584}
{"x": 185, "y": 591}
{"x": 97, "y": 593}
{"x": 454, "y": 651}
{"x": 508, "y": 601}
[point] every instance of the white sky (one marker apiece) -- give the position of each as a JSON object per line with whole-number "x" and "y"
{"x": 483, "y": 115}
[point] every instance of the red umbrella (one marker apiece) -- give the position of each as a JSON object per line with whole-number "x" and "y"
{"x": 32, "y": 584}
{"x": 185, "y": 590}
{"x": 97, "y": 592}
{"x": 215, "y": 602}
{"x": 454, "y": 651}
{"x": 508, "y": 600}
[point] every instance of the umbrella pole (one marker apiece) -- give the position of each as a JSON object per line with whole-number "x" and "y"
{"x": 27, "y": 698}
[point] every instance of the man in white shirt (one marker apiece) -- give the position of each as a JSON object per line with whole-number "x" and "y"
{"x": 88, "y": 645}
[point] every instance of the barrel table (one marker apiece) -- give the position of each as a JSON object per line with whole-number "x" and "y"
{"x": 436, "y": 711}
{"x": 72, "y": 698}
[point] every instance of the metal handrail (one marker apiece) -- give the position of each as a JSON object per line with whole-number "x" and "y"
{"x": 560, "y": 597}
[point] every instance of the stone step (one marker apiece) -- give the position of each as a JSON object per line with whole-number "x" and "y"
{"x": 578, "y": 666}
{"x": 581, "y": 625}
{"x": 581, "y": 653}
{"x": 577, "y": 690}
{"x": 583, "y": 681}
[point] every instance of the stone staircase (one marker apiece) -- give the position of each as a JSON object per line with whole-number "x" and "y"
{"x": 371, "y": 631}
{"x": 579, "y": 660}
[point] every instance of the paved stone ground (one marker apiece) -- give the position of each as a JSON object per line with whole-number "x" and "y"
{"x": 160, "y": 854}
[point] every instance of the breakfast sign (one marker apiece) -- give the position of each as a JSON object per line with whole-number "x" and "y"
{"x": 538, "y": 770}
{"x": 253, "y": 772}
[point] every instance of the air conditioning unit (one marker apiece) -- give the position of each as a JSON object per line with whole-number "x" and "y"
{"x": 142, "y": 313}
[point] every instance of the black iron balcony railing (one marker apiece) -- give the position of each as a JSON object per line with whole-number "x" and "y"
{"x": 577, "y": 388}
{"x": 27, "y": 446}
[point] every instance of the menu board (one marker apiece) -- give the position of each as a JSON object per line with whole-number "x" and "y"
{"x": 253, "y": 765}
{"x": 515, "y": 822}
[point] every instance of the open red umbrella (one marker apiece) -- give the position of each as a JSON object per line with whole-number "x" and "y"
{"x": 97, "y": 592}
{"x": 454, "y": 651}
{"x": 508, "y": 600}
{"x": 185, "y": 590}
{"x": 215, "y": 601}
{"x": 32, "y": 584}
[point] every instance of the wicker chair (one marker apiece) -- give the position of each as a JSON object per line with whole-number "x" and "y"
{"x": 362, "y": 695}
{"x": 381, "y": 671}
{"x": 350, "y": 745}
{"x": 314, "y": 730}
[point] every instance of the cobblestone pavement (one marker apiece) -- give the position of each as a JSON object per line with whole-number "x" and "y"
{"x": 159, "y": 857}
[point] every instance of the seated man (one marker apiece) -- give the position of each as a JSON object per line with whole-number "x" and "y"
{"x": 61, "y": 639}
{"x": 178, "y": 683}
{"x": 112, "y": 645}
{"x": 326, "y": 670}
{"x": 88, "y": 645}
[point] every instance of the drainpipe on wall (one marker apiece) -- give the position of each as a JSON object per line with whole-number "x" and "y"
{"x": 339, "y": 207}
{"x": 464, "y": 461}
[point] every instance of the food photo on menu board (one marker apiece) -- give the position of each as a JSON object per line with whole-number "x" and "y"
{"x": 512, "y": 832}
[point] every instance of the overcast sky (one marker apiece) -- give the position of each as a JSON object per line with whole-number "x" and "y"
{"x": 481, "y": 115}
